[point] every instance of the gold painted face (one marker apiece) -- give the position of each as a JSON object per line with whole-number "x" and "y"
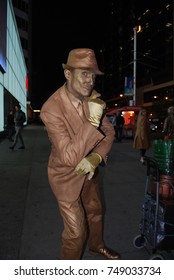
{"x": 80, "y": 82}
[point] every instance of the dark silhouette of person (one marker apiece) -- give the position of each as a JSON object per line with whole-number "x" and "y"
{"x": 168, "y": 127}
{"x": 19, "y": 122}
{"x": 119, "y": 126}
{"x": 10, "y": 125}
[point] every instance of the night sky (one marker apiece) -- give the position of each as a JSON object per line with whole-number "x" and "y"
{"x": 58, "y": 30}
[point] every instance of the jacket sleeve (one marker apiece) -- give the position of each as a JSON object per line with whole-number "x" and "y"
{"x": 68, "y": 148}
{"x": 105, "y": 145}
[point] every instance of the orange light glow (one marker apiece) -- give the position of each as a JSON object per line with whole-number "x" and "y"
{"x": 129, "y": 117}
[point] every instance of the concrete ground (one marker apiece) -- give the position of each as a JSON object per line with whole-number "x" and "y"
{"x": 30, "y": 222}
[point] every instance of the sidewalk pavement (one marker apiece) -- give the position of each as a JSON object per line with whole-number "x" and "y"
{"x": 29, "y": 218}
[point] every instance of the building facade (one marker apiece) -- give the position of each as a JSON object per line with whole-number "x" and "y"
{"x": 154, "y": 58}
{"x": 13, "y": 70}
{"x": 23, "y": 15}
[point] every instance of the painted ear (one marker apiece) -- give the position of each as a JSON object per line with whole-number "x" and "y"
{"x": 67, "y": 74}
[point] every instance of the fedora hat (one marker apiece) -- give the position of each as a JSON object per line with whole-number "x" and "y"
{"x": 82, "y": 59}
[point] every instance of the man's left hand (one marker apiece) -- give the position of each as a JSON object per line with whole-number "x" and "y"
{"x": 88, "y": 165}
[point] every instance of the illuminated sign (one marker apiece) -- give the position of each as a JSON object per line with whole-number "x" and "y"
{"x": 128, "y": 86}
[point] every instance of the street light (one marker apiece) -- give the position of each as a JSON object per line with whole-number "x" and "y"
{"x": 136, "y": 29}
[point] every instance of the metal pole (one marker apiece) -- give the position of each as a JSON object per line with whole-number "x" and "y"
{"x": 135, "y": 65}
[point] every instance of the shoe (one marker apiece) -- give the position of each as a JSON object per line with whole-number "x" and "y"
{"x": 107, "y": 253}
{"x": 12, "y": 148}
{"x": 22, "y": 147}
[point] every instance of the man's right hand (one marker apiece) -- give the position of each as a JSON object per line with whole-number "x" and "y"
{"x": 96, "y": 108}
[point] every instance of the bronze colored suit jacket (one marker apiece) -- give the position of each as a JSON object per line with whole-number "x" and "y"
{"x": 72, "y": 137}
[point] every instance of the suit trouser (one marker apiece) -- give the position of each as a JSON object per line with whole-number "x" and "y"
{"x": 82, "y": 217}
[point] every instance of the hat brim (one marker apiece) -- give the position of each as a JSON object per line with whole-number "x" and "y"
{"x": 97, "y": 72}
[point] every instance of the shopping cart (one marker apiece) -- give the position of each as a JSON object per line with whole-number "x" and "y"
{"x": 157, "y": 219}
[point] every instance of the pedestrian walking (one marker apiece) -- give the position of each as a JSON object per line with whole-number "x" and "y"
{"x": 119, "y": 126}
{"x": 20, "y": 118}
{"x": 10, "y": 125}
{"x": 168, "y": 127}
{"x": 142, "y": 138}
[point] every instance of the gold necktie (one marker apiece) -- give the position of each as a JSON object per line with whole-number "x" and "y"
{"x": 80, "y": 110}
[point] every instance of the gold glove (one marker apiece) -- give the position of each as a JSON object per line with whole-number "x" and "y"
{"x": 88, "y": 165}
{"x": 94, "y": 95}
{"x": 96, "y": 108}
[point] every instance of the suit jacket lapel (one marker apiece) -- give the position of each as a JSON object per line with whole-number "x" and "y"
{"x": 71, "y": 113}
